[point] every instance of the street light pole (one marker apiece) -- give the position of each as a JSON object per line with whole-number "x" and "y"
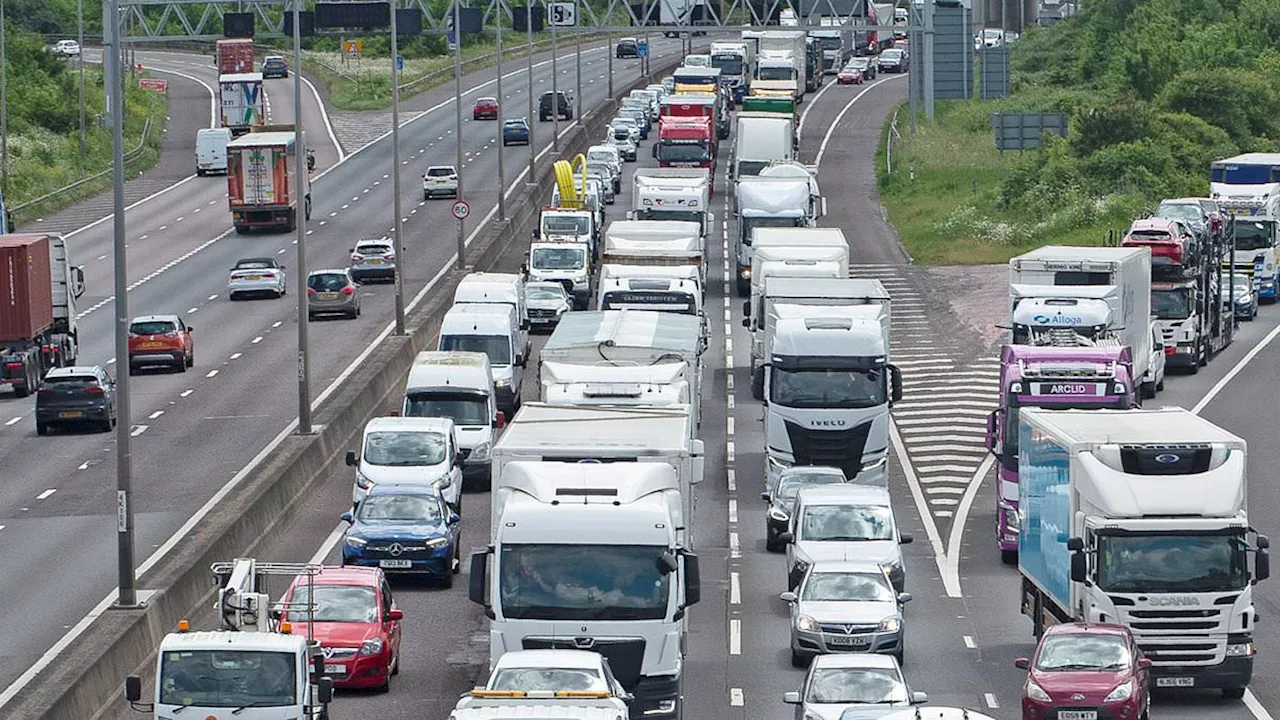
{"x": 300, "y": 182}
{"x": 555, "y": 94}
{"x": 577, "y": 40}
{"x": 928, "y": 59}
{"x": 457, "y": 119}
{"x": 528, "y": 25}
{"x": 395, "y": 169}
{"x": 113, "y": 87}
{"x": 4, "y": 107}
{"x": 502, "y": 173}
{"x": 610, "y": 56}
{"x": 80, "y": 63}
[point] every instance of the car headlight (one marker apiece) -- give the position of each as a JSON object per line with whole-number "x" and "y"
{"x": 779, "y": 515}
{"x": 436, "y": 543}
{"x": 356, "y": 542}
{"x": 1035, "y": 692}
{"x": 363, "y": 482}
{"x": 1122, "y": 692}
{"x": 1240, "y": 650}
{"x": 372, "y": 646}
{"x": 804, "y": 623}
{"x": 479, "y": 452}
{"x": 802, "y": 565}
{"x": 810, "y": 715}
{"x": 891, "y": 567}
{"x": 890, "y": 625}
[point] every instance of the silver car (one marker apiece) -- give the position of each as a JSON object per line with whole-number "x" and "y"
{"x": 844, "y": 522}
{"x": 257, "y": 276}
{"x": 547, "y": 303}
{"x": 601, "y": 174}
{"x": 332, "y": 292}
{"x": 852, "y": 687}
{"x": 845, "y": 607}
{"x": 373, "y": 259}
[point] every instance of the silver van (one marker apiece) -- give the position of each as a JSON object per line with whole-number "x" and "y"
{"x": 493, "y": 329}
{"x": 459, "y": 386}
{"x": 502, "y": 288}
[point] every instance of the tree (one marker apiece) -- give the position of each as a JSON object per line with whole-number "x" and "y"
{"x": 1244, "y": 103}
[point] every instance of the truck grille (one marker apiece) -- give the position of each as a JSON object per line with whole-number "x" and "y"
{"x": 836, "y": 448}
{"x": 1206, "y": 652}
{"x": 625, "y": 655}
{"x": 1179, "y": 636}
{"x": 1174, "y": 620}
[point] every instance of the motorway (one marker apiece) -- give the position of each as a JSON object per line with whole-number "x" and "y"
{"x": 963, "y": 627}
{"x": 193, "y": 431}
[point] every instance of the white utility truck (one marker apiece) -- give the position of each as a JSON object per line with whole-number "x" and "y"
{"x": 655, "y": 243}
{"x": 658, "y": 385}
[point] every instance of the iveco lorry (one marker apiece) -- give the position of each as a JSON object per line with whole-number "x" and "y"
{"x": 592, "y": 554}
{"x": 1047, "y": 377}
{"x": 1140, "y": 517}
{"x": 828, "y": 387}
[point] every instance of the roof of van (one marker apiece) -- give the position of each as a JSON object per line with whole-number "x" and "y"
{"x": 459, "y": 358}
{"x": 444, "y": 369}
{"x": 440, "y": 425}
{"x": 496, "y": 309}
{"x": 466, "y": 317}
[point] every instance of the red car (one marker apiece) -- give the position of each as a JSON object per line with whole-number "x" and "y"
{"x": 356, "y": 622}
{"x": 160, "y": 340}
{"x": 486, "y": 108}
{"x": 1086, "y": 671}
{"x": 849, "y": 76}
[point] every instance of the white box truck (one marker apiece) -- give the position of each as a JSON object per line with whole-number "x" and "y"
{"x": 762, "y": 138}
{"x": 658, "y": 385}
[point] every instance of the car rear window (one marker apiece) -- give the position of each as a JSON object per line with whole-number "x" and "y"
{"x": 328, "y": 282}
{"x": 374, "y": 249}
{"x": 254, "y": 265}
{"x": 72, "y": 380}
{"x": 439, "y": 172}
{"x": 154, "y": 327}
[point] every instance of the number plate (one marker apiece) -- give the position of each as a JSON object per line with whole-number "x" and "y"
{"x": 374, "y": 261}
{"x": 335, "y": 669}
{"x": 328, "y": 296}
{"x": 252, "y": 277}
{"x": 1077, "y": 715}
{"x": 71, "y": 414}
{"x": 849, "y": 641}
{"x": 1182, "y": 682}
{"x": 395, "y": 564}
{"x": 152, "y": 344}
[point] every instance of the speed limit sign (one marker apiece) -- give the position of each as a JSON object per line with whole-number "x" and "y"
{"x": 461, "y": 210}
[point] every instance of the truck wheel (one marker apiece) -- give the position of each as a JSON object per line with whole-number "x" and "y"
{"x": 757, "y": 383}
{"x": 744, "y": 288}
{"x": 1009, "y": 557}
{"x": 1148, "y": 390}
{"x": 1233, "y": 693}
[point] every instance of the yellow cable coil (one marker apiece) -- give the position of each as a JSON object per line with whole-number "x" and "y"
{"x": 569, "y": 197}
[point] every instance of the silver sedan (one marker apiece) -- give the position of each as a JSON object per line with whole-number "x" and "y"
{"x": 845, "y": 607}
{"x": 257, "y": 276}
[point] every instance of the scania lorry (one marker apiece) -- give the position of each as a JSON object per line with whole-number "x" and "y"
{"x": 1254, "y": 210}
{"x": 828, "y": 387}
{"x": 38, "y": 330}
{"x": 1047, "y": 377}
{"x": 592, "y": 554}
{"x": 1140, "y": 517}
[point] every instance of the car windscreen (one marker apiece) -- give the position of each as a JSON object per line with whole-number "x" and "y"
{"x": 399, "y": 508}
{"x": 461, "y": 409}
{"x": 846, "y": 523}
{"x": 254, "y": 265}
{"x": 405, "y": 448}
{"x": 333, "y": 603}
{"x": 440, "y": 172}
{"x": 227, "y": 678}
{"x": 497, "y": 347}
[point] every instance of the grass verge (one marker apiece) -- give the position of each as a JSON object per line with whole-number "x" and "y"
{"x": 942, "y": 193}
{"x": 41, "y": 162}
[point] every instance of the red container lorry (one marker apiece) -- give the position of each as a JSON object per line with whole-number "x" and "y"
{"x": 235, "y": 56}
{"x": 38, "y": 290}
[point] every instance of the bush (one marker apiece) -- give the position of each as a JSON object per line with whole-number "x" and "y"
{"x": 1244, "y": 103}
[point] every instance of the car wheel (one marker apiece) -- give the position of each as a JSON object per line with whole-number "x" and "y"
{"x": 42, "y": 429}
{"x": 1147, "y": 390}
{"x": 199, "y": 172}
{"x": 799, "y": 660}
{"x": 181, "y": 365}
{"x": 772, "y": 544}
{"x": 447, "y": 581}
{"x": 233, "y": 296}
{"x": 1160, "y": 385}
{"x": 191, "y": 359}
{"x": 105, "y": 426}
{"x": 426, "y": 195}
{"x": 395, "y": 665}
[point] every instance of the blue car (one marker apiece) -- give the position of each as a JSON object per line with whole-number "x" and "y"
{"x": 515, "y": 132}
{"x": 404, "y": 530}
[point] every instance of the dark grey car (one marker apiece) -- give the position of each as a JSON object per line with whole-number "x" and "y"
{"x": 81, "y": 396}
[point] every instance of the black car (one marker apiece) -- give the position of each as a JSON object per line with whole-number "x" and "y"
{"x": 866, "y": 65}
{"x": 783, "y": 497}
{"x": 565, "y": 106}
{"x": 628, "y": 48}
{"x": 894, "y": 60}
{"x": 275, "y": 67}
{"x": 80, "y": 396}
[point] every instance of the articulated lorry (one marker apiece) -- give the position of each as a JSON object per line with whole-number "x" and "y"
{"x": 261, "y": 187}
{"x": 796, "y": 252}
{"x": 251, "y": 664}
{"x": 638, "y": 248}
{"x": 234, "y": 56}
{"x": 567, "y": 704}
{"x": 660, "y": 385}
{"x": 1085, "y": 296}
{"x": 1140, "y": 517}
{"x": 682, "y": 194}
{"x": 591, "y": 547}
{"x": 38, "y": 330}
{"x": 783, "y": 57}
{"x": 837, "y": 45}
{"x": 1254, "y": 211}
{"x": 1050, "y": 377}
{"x": 829, "y": 386}
{"x": 242, "y": 102}
{"x": 763, "y": 202}
{"x": 736, "y": 62}
{"x": 762, "y": 138}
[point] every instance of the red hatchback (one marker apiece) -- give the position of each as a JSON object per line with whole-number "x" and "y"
{"x": 160, "y": 340}
{"x": 1086, "y": 671}
{"x": 356, "y": 622}
{"x": 486, "y": 108}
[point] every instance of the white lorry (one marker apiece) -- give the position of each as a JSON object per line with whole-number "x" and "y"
{"x": 658, "y": 385}
{"x": 785, "y": 296}
{"x": 629, "y": 338}
{"x": 736, "y": 62}
{"x": 762, "y": 138}
{"x": 1141, "y": 517}
{"x": 768, "y": 202}
{"x": 594, "y": 554}
{"x": 246, "y": 663}
{"x": 781, "y": 59}
{"x": 547, "y": 705}
{"x": 557, "y": 224}
{"x": 1068, "y": 295}
{"x": 837, "y": 45}
{"x": 672, "y": 194}
{"x": 796, "y": 252}
{"x": 655, "y": 243}
{"x": 662, "y": 292}
{"x": 241, "y": 102}
{"x": 828, "y": 388}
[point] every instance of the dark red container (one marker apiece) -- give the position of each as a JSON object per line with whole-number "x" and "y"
{"x": 26, "y": 287}
{"x": 235, "y": 56}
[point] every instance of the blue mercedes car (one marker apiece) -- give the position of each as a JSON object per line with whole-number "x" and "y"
{"x": 404, "y": 530}
{"x": 515, "y": 132}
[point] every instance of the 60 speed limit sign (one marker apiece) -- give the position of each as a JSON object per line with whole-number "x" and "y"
{"x": 461, "y": 210}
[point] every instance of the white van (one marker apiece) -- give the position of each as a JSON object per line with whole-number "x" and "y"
{"x": 459, "y": 386}
{"x": 492, "y": 329}
{"x": 398, "y": 451}
{"x": 502, "y": 288}
{"x": 211, "y": 150}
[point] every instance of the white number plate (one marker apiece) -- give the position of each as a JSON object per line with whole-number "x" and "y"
{"x": 850, "y": 641}
{"x": 395, "y": 564}
{"x": 1077, "y": 715}
{"x": 1183, "y": 682}
{"x": 335, "y": 669}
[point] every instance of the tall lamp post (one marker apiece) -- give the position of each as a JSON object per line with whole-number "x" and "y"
{"x": 80, "y": 63}
{"x": 528, "y": 24}
{"x": 299, "y": 182}
{"x": 502, "y": 173}
{"x": 457, "y": 127}
{"x": 398, "y": 225}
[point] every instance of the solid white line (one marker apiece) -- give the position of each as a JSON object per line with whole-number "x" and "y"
{"x": 1250, "y": 701}
{"x": 807, "y": 107}
{"x": 334, "y": 536}
{"x": 733, "y": 510}
{"x": 735, "y": 589}
{"x": 735, "y": 637}
{"x": 46, "y": 493}
{"x": 324, "y": 113}
{"x": 1235, "y": 370}
{"x": 822, "y": 149}
{"x": 952, "y": 585}
{"x": 991, "y": 701}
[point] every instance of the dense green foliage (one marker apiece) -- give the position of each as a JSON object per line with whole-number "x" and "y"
{"x": 1155, "y": 91}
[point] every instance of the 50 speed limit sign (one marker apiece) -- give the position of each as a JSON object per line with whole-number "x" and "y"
{"x": 461, "y": 210}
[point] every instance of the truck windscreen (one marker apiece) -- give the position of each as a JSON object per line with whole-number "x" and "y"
{"x": 728, "y": 64}
{"x": 683, "y": 151}
{"x": 1172, "y": 563}
{"x": 811, "y": 388}
{"x": 553, "y": 225}
{"x": 682, "y": 215}
{"x": 776, "y": 73}
{"x": 570, "y": 582}
{"x": 558, "y": 258}
{"x": 497, "y": 347}
{"x": 1174, "y": 304}
{"x": 227, "y": 679}
{"x": 1254, "y": 234}
{"x": 751, "y": 223}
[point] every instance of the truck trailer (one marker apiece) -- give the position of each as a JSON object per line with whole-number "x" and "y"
{"x": 38, "y": 329}
{"x": 261, "y": 182}
{"x": 241, "y": 101}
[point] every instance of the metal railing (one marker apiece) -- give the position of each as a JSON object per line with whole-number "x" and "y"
{"x": 129, "y": 156}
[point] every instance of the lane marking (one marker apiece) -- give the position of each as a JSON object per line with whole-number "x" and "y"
{"x": 1235, "y": 370}
{"x": 735, "y": 636}
{"x": 735, "y": 589}
{"x": 15, "y": 421}
{"x": 211, "y": 373}
{"x": 234, "y": 356}
{"x": 733, "y": 510}
{"x": 46, "y": 493}
{"x": 256, "y": 340}
{"x": 185, "y": 393}
{"x": 969, "y": 643}
{"x": 137, "y": 430}
{"x": 822, "y": 149}
{"x": 735, "y": 694}
{"x": 991, "y": 700}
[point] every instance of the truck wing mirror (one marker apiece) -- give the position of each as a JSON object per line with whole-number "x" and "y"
{"x": 746, "y": 322}
{"x": 132, "y": 686}
{"x": 1075, "y": 544}
{"x": 475, "y": 584}
{"x": 692, "y": 579}
{"x": 895, "y": 383}
{"x": 991, "y": 433}
{"x": 1261, "y": 564}
{"x": 667, "y": 563}
{"x": 746, "y": 307}
{"x": 654, "y": 149}
{"x": 352, "y": 461}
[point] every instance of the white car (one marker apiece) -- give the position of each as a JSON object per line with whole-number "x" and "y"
{"x": 257, "y": 276}
{"x": 621, "y": 141}
{"x": 67, "y": 48}
{"x": 633, "y": 127}
{"x": 440, "y": 181}
{"x": 557, "y": 671}
{"x": 414, "y": 451}
{"x": 1153, "y": 381}
{"x": 547, "y": 303}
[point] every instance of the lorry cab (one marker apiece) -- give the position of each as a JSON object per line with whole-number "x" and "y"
{"x": 458, "y": 385}
{"x": 568, "y": 224}
{"x": 663, "y": 294}
{"x": 494, "y": 330}
{"x": 564, "y": 262}
{"x": 211, "y": 150}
